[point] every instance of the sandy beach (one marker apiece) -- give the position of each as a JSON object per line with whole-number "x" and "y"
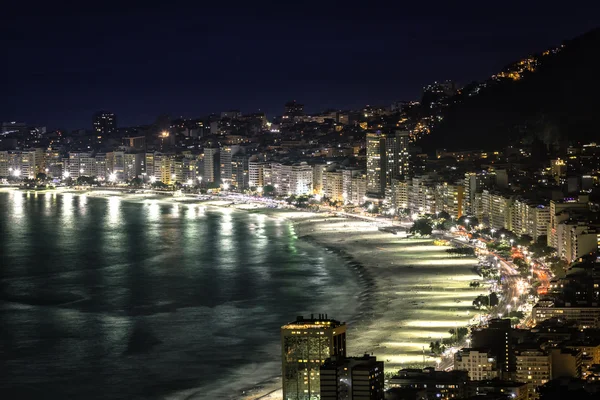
{"x": 414, "y": 291}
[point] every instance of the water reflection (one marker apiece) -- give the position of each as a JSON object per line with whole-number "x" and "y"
{"x": 114, "y": 211}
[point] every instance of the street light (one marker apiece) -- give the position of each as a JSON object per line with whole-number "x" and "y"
{"x": 17, "y": 172}
{"x": 225, "y": 186}
{"x": 66, "y": 174}
{"x": 112, "y": 177}
{"x": 190, "y": 182}
{"x": 511, "y": 242}
{"x": 152, "y": 179}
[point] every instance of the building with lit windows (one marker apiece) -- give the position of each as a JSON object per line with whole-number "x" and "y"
{"x": 443, "y": 385}
{"x": 104, "y": 123}
{"x": 256, "y": 174}
{"x": 387, "y": 158}
{"x": 499, "y": 389}
{"x": 333, "y": 185}
{"x": 534, "y": 367}
{"x": 479, "y": 363}
{"x": 560, "y": 211}
{"x": 497, "y": 337}
{"x": 353, "y": 378}
{"x": 212, "y": 164}
{"x": 450, "y": 198}
{"x": 586, "y": 315}
{"x": 239, "y": 171}
{"x": 306, "y": 343}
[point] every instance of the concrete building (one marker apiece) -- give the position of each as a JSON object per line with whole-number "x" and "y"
{"x": 437, "y": 384}
{"x": 587, "y": 316}
{"x": 239, "y": 171}
{"x": 212, "y": 164}
{"x": 352, "y": 378}
{"x": 306, "y": 344}
{"x": 502, "y": 389}
{"x": 497, "y": 337}
{"x": 255, "y": 174}
{"x": 318, "y": 170}
{"x": 450, "y": 198}
{"x": 387, "y": 158}
{"x": 479, "y": 363}
{"x": 333, "y": 185}
{"x": 534, "y": 367}
{"x": 559, "y": 212}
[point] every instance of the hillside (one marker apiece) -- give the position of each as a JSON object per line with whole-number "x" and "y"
{"x": 556, "y": 99}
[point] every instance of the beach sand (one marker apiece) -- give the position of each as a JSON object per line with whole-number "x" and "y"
{"x": 414, "y": 291}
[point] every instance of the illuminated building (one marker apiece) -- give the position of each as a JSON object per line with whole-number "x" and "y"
{"x": 529, "y": 218}
{"x": 81, "y": 164}
{"x": 534, "y": 367}
{"x": 333, "y": 185}
{"x": 437, "y": 384}
{"x": 318, "y": 170}
{"x": 559, "y": 212}
{"x": 479, "y": 363}
{"x": 498, "y": 389}
{"x": 450, "y": 199}
{"x": 256, "y": 174}
{"x": 104, "y": 123}
{"x": 225, "y": 162}
{"x": 239, "y": 171}
{"x": 212, "y": 164}
{"x": 497, "y": 337}
{"x": 292, "y": 179}
{"x": 387, "y": 158}
{"x": 352, "y": 378}
{"x": 306, "y": 344}
{"x": 586, "y": 315}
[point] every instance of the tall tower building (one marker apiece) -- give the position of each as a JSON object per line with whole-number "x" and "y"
{"x": 212, "y": 164}
{"x": 306, "y": 344}
{"x": 387, "y": 158}
{"x": 498, "y": 338}
{"x": 105, "y": 123}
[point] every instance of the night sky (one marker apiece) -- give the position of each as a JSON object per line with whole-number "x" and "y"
{"x": 61, "y": 64}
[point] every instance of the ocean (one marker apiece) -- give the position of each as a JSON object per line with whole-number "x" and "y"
{"x": 105, "y": 298}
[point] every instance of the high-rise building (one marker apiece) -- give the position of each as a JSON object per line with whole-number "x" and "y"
{"x": 533, "y": 366}
{"x": 306, "y": 344}
{"x": 497, "y": 337}
{"x": 352, "y": 378}
{"x": 479, "y": 363}
{"x": 387, "y": 158}
{"x": 211, "y": 164}
{"x": 255, "y": 174}
{"x": 239, "y": 171}
{"x": 105, "y": 123}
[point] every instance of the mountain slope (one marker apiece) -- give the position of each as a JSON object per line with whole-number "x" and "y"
{"x": 557, "y": 102}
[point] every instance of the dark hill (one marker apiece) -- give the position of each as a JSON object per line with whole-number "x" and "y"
{"x": 558, "y": 102}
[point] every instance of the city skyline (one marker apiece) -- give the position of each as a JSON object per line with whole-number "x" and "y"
{"x": 207, "y": 59}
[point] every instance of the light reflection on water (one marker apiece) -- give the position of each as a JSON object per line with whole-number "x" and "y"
{"x": 118, "y": 300}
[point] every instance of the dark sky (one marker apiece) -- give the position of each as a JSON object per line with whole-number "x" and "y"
{"x": 62, "y": 63}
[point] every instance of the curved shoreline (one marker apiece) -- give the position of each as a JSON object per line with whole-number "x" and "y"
{"x": 384, "y": 304}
